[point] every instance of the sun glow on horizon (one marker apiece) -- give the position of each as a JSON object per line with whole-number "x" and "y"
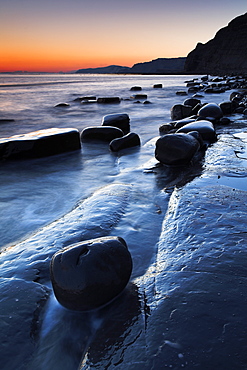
{"x": 54, "y": 36}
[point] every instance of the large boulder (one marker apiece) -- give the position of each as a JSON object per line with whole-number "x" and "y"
{"x": 127, "y": 141}
{"x": 210, "y": 110}
{"x": 102, "y": 133}
{"x": 40, "y": 143}
{"x": 120, "y": 120}
{"x": 91, "y": 273}
{"x": 176, "y": 149}
{"x": 205, "y": 129}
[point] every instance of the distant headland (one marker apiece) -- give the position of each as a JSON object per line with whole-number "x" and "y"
{"x": 226, "y": 53}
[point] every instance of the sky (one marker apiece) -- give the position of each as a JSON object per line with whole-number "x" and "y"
{"x": 66, "y": 35}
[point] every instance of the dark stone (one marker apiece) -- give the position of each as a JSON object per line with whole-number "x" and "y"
{"x": 198, "y": 137}
{"x": 103, "y": 133}
{"x": 40, "y": 143}
{"x": 227, "y": 107}
{"x": 120, "y": 120}
{"x": 62, "y": 105}
{"x": 184, "y": 122}
{"x": 205, "y": 128}
{"x": 224, "y": 121}
{"x": 85, "y": 98}
{"x": 176, "y": 149}
{"x": 157, "y": 86}
{"x": 127, "y": 141}
{"x": 147, "y": 102}
{"x": 239, "y": 110}
{"x": 6, "y": 120}
{"x": 180, "y": 111}
{"x": 140, "y": 96}
{"x": 192, "y": 102}
{"x": 165, "y": 128}
{"x": 90, "y": 274}
{"x": 196, "y": 109}
{"x": 211, "y": 110}
{"x": 136, "y": 88}
{"x": 108, "y": 100}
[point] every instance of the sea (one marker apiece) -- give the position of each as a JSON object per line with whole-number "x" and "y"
{"x": 36, "y": 193}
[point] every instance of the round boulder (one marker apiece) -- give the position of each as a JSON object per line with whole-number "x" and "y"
{"x": 127, "y": 141}
{"x": 120, "y": 120}
{"x": 176, "y": 149}
{"x": 210, "y": 110}
{"x": 103, "y": 133}
{"x": 205, "y": 129}
{"x": 88, "y": 275}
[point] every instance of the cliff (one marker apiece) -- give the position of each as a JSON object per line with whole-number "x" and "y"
{"x": 226, "y": 53}
{"x": 160, "y": 66}
{"x": 109, "y": 69}
{"x": 157, "y": 66}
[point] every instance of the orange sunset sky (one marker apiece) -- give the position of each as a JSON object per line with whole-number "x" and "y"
{"x": 59, "y": 35}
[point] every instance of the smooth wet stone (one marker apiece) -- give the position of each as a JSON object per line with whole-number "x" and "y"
{"x": 180, "y": 111}
{"x": 136, "y": 88}
{"x": 103, "y": 133}
{"x": 205, "y": 128}
{"x": 108, "y": 100}
{"x": 176, "y": 149}
{"x": 6, "y": 120}
{"x": 227, "y": 107}
{"x": 157, "y": 86}
{"x": 128, "y": 141}
{"x": 165, "y": 128}
{"x": 120, "y": 120}
{"x": 192, "y": 102}
{"x": 40, "y": 143}
{"x": 140, "y": 96}
{"x": 211, "y": 110}
{"x": 184, "y": 121}
{"x": 62, "y": 105}
{"x": 85, "y": 98}
{"x": 92, "y": 273}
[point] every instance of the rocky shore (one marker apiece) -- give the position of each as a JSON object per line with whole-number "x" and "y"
{"x": 187, "y": 310}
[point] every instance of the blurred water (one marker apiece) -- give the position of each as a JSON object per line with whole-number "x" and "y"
{"x": 35, "y": 192}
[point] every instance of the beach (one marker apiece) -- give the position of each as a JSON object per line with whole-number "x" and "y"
{"x": 184, "y": 306}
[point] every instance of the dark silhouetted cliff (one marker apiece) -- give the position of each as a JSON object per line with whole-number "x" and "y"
{"x": 160, "y": 66}
{"x": 226, "y": 53}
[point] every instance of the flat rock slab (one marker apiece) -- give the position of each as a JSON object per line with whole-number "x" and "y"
{"x": 40, "y": 143}
{"x": 189, "y": 309}
{"x": 21, "y": 306}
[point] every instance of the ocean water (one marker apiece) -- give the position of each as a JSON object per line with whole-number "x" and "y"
{"x": 36, "y": 192}
{"x": 93, "y": 192}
